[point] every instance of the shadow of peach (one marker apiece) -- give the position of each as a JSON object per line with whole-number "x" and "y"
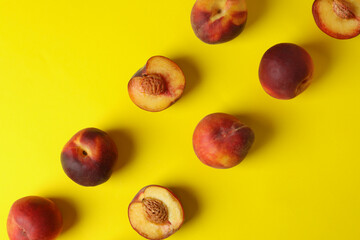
{"x": 188, "y": 200}
{"x": 68, "y": 212}
{"x": 321, "y": 54}
{"x": 191, "y": 72}
{"x": 262, "y": 126}
{"x": 125, "y": 146}
{"x": 256, "y": 9}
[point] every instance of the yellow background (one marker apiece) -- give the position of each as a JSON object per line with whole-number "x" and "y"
{"x": 65, "y": 65}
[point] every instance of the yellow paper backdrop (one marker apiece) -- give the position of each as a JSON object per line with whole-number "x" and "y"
{"x": 65, "y": 65}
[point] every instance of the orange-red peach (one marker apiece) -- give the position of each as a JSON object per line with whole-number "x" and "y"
{"x": 285, "y": 71}
{"x": 88, "y": 158}
{"x": 34, "y": 218}
{"x": 158, "y": 85}
{"x": 218, "y": 21}
{"x": 221, "y": 140}
{"x": 155, "y": 212}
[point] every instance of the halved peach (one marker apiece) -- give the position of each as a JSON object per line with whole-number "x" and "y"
{"x": 338, "y": 18}
{"x": 157, "y": 85}
{"x": 155, "y": 212}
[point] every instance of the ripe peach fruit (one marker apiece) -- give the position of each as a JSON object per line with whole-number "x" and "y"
{"x": 218, "y": 21}
{"x": 155, "y": 212}
{"x": 157, "y": 85}
{"x": 221, "y": 141}
{"x": 34, "y": 218}
{"x": 89, "y": 156}
{"x": 285, "y": 70}
{"x": 338, "y": 18}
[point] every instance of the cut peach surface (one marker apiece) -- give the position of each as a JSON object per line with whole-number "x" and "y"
{"x": 338, "y": 18}
{"x": 157, "y": 85}
{"x": 155, "y": 212}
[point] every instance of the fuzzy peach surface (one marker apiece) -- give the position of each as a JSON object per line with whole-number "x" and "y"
{"x": 65, "y": 66}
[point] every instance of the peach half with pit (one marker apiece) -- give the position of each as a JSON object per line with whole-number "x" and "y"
{"x": 221, "y": 140}
{"x": 88, "y": 158}
{"x": 218, "y": 21}
{"x": 337, "y": 18}
{"x": 157, "y": 85}
{"x": 155, "y": 212}
{"x": 34, "y": 217}
{"x": 285, "y": 70}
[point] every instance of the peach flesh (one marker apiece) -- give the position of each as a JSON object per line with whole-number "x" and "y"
{"x": 339, "y": 19}
{"x": 285, "y": 70}
{"x": 221, "y": 141}
{"x": 155, "y": 212}
{"x": 32, "y": 218}
{"x": 88, "y": 158}
{"x": 218, "y": 21}
{"x": 158, "y": 85}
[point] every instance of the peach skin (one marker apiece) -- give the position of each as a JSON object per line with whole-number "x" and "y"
{"x": 285, "y": 70}
{"x": 221, "y": 141}
{"x": 218, "y": 21}
{"x": 88, "y": 158}
{"x": 34, "y": 217}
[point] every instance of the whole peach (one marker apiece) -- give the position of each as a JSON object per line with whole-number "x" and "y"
{"x": 221, "y": 141}
{"x": 88, "y": 158}
{"x": 34, "y": 218}
{"x": 218, "y": 21}
{"x": 286, "y": 70}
